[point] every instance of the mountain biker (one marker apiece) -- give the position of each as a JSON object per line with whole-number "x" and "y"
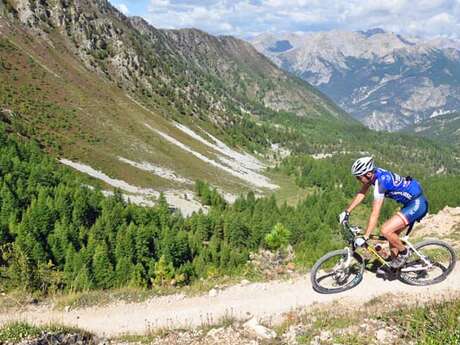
{"x": 404, "y": 190}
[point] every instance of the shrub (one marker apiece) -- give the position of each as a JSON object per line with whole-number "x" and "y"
{"x": 278, "y": 237}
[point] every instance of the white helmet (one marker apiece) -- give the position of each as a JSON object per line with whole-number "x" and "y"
{"x": 362, "y": 166}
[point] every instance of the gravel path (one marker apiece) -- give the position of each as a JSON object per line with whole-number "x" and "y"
{"x": 264, "y": 300}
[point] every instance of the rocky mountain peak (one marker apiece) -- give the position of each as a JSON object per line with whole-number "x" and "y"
{"x": 386, "y": 80}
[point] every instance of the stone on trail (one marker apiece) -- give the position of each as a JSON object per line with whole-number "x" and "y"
{"x": 260, "y": 331}
{"x": 213, "y": 293}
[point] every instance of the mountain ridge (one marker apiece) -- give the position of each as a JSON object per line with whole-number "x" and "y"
{"x": 100, "y": 89}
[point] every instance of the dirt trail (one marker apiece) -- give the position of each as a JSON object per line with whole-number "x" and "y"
{"x": 264, "y": 300}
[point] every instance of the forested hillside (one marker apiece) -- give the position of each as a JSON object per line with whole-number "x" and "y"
{"x": 443, "y": 128}
{"x": 58, "y": 234}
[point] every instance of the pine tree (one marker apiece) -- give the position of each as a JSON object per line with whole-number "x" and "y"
{"x": 238, "y": 233}
{"x": 137, "y": 278}
{"x": 82, "y": 281}
{"x": 144, "y": 237}
{"x": 102, "y": 267}
{"x": 58, "y": 242}
{"x": 123, "y": 270}
{"x": 162, "y": 209}
{"x": 9, "y": 210}
{"x": 164, "y": 271}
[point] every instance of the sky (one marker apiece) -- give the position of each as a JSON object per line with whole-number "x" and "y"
{"x": 248, "y": 18}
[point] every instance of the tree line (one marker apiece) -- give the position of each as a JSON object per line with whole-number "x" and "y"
{"x": 56, "y": 233}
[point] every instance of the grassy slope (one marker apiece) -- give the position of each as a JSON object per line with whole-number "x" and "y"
{"x": 81, "y": 116}
{"x": 83, "y": 112}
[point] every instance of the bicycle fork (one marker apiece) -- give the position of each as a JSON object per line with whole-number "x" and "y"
{"x": 347, "y": 262}
{"x": 341, "y": 269}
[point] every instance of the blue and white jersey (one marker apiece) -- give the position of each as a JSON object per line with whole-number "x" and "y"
{"x": 391, "y": 185}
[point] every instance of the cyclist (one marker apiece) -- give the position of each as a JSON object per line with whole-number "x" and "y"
{"x": 404, "y": 190}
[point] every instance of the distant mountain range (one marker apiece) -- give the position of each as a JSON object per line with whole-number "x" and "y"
{"x": 385, "y": 80}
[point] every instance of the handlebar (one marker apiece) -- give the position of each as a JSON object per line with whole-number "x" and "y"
{"x": 352, "y": 231}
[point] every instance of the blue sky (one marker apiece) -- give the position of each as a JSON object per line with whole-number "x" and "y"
{"x": 246, "y": 18}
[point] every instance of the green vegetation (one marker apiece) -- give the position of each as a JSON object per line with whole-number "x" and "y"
{"x": 58, "y": 235}
{"x": 278, "y": 237}
{"x": 434, "y": 323}
{"x": 437, "y": 323}
{"x": 334, "y": 173}
{"x": 443, "y": 128}
{"x": 448, "y": 184}
{"x": 418, "y": 156}
{"x": 78, "y": 116}
{"x": 15, "y": 332}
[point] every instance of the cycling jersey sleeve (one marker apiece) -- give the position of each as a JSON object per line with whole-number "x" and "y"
{"x": 379, "y": 193}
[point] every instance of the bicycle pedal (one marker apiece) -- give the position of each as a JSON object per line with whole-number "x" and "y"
{"x": 386, "y": 272}
{"x": 381, "y": 271}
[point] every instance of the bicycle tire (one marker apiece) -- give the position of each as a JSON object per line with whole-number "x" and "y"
{"x": 452, "y": 261}
{"x": 317, "y": 266}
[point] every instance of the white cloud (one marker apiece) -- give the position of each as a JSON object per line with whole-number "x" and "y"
{"x": 244, "y": 17}
{"x": 122, "y": 8}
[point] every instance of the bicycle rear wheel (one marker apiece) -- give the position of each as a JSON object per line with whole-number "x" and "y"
{"x": 332, "y": 274}
{"x": 438, "y": 261}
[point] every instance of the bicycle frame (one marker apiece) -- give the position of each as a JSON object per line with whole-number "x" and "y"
{"x": 371, "y": 249}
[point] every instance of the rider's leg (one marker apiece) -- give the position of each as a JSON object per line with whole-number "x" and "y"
{"x": 394, "y": 251}
{"x": 391, "y": 230}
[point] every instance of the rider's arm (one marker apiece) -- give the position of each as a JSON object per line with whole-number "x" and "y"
{"x": 373, "y": 219}
{"x": 358, "y": 198}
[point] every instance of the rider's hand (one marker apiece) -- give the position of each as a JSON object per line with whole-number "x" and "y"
{"x": 343, "y": 217}
{"x": 360, "y": 241}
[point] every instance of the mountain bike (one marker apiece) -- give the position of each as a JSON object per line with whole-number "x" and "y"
{"x": 430, "y": 262}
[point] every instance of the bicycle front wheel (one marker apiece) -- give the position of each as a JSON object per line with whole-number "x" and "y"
{"x": 336, "y": 272}
{"x": 435, "y": 262}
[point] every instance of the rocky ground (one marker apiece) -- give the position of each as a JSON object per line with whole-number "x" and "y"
{"x": 330, "y": 324}
{"x": 444, "y": 224}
